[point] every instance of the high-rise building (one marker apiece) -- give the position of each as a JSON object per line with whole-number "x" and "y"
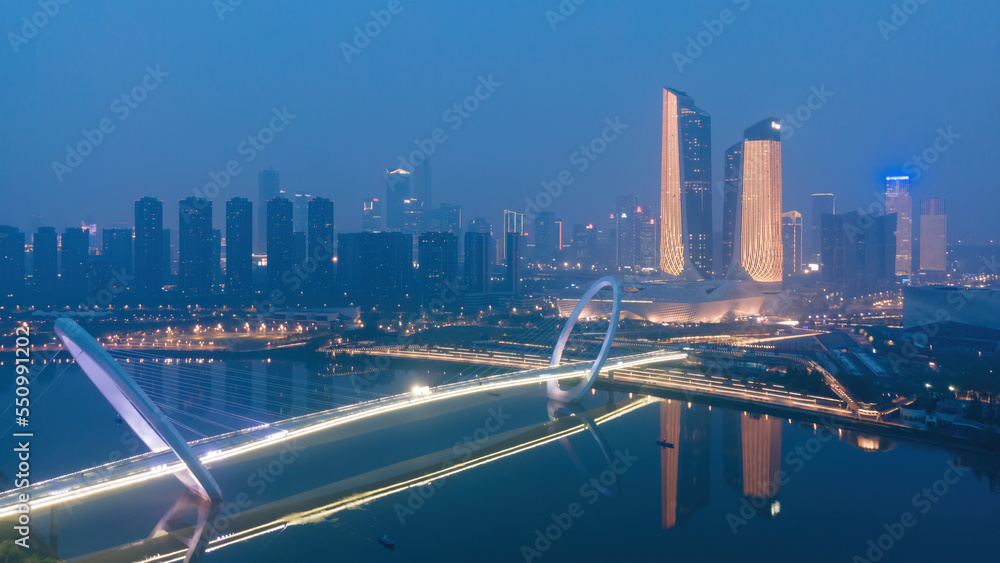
{"x": 731, "y": 203}
{"x": 933, "y": 236}
{"x": 376, "y": 268}
{"x": 481, "y": 225}
{"x": 300, "y": 210}
{"x": 585, "y": 245}
{"x": 268, "y": 187}
{"x": 280, "y": 242}
{"x": 195, "y": 241}
{"x": 12, "y": 261}
{"x": 447, "y": 218}
{"x": 546, "y": 237}
{"x": 371, "y": 215}
{"x": 239, "y": 246}
{"x": 757, "y": 249}
{"x": 321, "y": 239}
{"x": 685, "y": 188}
{"x": 45, "y": 251}
{"x": 397, "y": 191}
{"x": 858, "y": 251}
{"x": 897, "y": 200}
{"x": 150, "y": 258}
{"x": 514, "y": 248}
{"x": 822, "y": 204}
{"x": 626, "y": 226}
{"x": 116, "y": 249}
{"x": 791, "y": 239}
{"x": 513, "y": 222}
{"x": 477, "y": 262}
{"x": 648, "y": 239}
{"x": 412, "y": 216}
{"x": 217, "y": 256}
{"x": 75, "y": 259}
{"x": 832, "y": 248}
{"x": 421, "y": 186}
{"x": 438, "y": 259}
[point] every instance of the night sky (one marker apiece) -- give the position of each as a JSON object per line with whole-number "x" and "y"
{"x": 892, "y": 89}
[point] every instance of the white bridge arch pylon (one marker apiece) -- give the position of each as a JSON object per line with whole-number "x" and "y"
{"x": 576, "y": 392}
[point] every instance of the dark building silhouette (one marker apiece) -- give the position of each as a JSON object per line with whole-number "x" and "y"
{"x": 791, "y": 239}
{"x": 420, "y": 187}
{"x": 152, "y": 248}
{"x": 731, "y": 203}
{"x": 514, "y": 249}
{"x": 858, "y": 251}
{"x": 437, "y": 255}
{"x": 447, "y": 218}
{"x": 732, "y": 449}
{"x": 268, "y": 188}
{"x": 217, "y": 256}
{"x": 194, "y": 267}
{"x": 280, "y": 242}
{"x": 481, "y": 225}
{"x": 116, "y": 249}
{"x": 626, "y": 225}
{"x": 239, "y": 246}
{"x": 546, "y": 237}
{"x": 376, "y": 268}
{"x": 321, "y": 239}
{"x": 822, "y": 204}
{"x": 45, "y": 252}
{"x": 477, "y": 262}
{"x": 12, "y": 261}
{"x": 299, "y": 243}
{"x": 75, "y": 261}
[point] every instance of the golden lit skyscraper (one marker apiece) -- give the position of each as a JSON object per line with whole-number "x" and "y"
{"x": 897, "y": 200}
{"x": 685, "y": 188}
{"x": 757, "y": 252}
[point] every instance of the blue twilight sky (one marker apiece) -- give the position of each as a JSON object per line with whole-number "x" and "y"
{"x": 894, "y": 88}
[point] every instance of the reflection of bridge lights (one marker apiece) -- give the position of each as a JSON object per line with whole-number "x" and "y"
{"x": 775, "y": 508}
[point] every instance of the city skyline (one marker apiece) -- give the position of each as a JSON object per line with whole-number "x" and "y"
{"x": 814, "y": 163}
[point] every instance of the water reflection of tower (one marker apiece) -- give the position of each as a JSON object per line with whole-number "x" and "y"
{"x": 695, "y": 449}
{"x": 684, "y": 468}
{"x": 732, "y": 449}
{"x": 670, "y": 429}
{"x": 761, "y": 457}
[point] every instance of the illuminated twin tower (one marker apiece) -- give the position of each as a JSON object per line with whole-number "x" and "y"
{"x": 751, "y": 234}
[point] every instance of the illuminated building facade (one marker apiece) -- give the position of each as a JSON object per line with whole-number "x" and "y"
{"x": 685, "y": 188}
{"x": 897, "y": 200}
{"x": 791, "y": 240}
{"x": 757, "y": 249}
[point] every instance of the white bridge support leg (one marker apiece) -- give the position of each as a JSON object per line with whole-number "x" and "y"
{"x": 134, "y": 406}
{"x": 575, "y": 393}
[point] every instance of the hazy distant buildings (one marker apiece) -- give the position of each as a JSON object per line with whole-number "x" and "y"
{"x": 371, "y": 215}
{"x": 152, "y": 249}
{"x": 194, "y": 266}
{"x": 477, "y": 262}
{"x": 438, "y": 258}
{"x": 822, "y": 204}
{"x": 757, "y": 249}
{"x": 685, "y": 188}
{"x": 280, "y": 242}
{"x": 858, "y": 251}
{"x": 239, "y": 246}
{"x": 320, "y": 245}
{"x": 397, "y": 192}
{"x": 267, "y": 189}
{"x": 933, "y": 236}
{"x": 513, "y": 222}
{"x": 791, "y": 240}
{"x": 376, "y": 268}
{"x": 897, "y": 200}
{"x": 420, "y": 187}
{"x": 12, "y": 261}
{"x": 481, "y": 225}
{"x": 45, "y": 256}
{"x": 447, "y": 218}
{"x": 546, "y": 237}
{"x": 75, "y": 260}
{"x": 626, "y": 227}
{"x": 832, "y": 249}
{"x": 116, "y": 249}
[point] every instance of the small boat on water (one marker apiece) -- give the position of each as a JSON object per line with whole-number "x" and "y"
{"x": 493, "y": 394}
{"x": 664, "y": 444}
{"x": 386, "y": 542}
